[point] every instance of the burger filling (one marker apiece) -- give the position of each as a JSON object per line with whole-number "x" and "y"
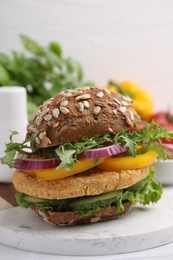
{"x": 130, "y": 149}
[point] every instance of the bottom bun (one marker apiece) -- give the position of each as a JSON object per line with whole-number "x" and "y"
{"x": 71, "y": 218}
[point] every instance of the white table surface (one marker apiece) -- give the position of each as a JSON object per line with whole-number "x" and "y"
{"x": 160, "y": 253}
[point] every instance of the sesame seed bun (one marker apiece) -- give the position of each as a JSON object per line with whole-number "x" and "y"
{"x": 78, "y": 113}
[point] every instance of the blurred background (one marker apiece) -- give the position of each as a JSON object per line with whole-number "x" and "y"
{"x": 120, "y": 40}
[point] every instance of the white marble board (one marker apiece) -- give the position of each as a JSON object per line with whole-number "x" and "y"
{"x": 140, "y": 229}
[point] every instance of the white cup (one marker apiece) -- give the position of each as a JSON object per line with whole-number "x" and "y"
{"x": 13, "y": 116}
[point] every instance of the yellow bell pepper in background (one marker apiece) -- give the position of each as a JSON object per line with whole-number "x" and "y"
{"x": 142, "y": 101}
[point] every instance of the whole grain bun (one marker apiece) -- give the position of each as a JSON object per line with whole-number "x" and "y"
{"x": 91, "y": 182}
{"x": 78, "y": 113}
{"x": 71, "y": 218}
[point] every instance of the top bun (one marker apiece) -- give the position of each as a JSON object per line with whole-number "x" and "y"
{"x": 78, "y": 113}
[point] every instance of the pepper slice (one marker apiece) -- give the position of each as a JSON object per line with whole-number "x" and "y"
{"x": 128, "y": 162}
{"x": 53, "y": 173}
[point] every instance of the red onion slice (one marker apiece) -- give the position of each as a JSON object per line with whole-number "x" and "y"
{"x": 103, "y": 152}
{"x": 36, "y": 164}
{"x": 40, "y": 164}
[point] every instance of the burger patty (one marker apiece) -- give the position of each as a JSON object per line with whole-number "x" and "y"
{"x": 91, "y": 182}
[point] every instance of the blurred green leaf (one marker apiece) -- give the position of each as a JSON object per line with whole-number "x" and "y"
{"x": 31, "y": 45}
{"x": 4, "y": 60}
{"x": 4, "y": 76}
{"x": 56, "y": 48}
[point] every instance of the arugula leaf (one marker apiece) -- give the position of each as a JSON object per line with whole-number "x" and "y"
{"x": 124, "y": 139}
{"x": 66, "y": 157}
{"x": 14, "y": 148}
{"x": 149, "y": 137}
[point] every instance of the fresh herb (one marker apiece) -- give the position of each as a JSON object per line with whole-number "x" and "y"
{"x": 144, "y": 192}
{"x": 14, "y": 148}
{"x": 43, "y": 71}
{"x": 149, "y": 136}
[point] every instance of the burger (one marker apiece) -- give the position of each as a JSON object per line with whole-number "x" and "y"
{"x": 86, "y": 158}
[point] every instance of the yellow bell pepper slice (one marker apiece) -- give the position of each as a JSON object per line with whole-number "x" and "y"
{"x": 53, "y": 173}
{"x": 128, "y": 162}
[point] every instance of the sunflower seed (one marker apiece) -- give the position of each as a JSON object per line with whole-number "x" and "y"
{"x": 80, "y": 107}
{"x": 37, "y": 113}
{"x": 129, "y": 122}
{"x": 64, "y": 103}
{"x": 44, "y": 112}
{"x": 128, "y": 99}
{"x": 124, "y": 103}
{"x": 68, "y": 94}
{"x": 82, "y": 97}
{"x": 42, "y": 135}
{"x": 64, "y": 110}
{"x": 86, "y": 104}
{"x": 122, "y": 110}
{"x": 32, "y": 129}
{"x": 46, "y": 141}
{"x": 131, "y": 115}
{"x": 96, "y": 110}
{"x": 110, "y": 129}
{"x": 55, "y": 112}
{"x": 37, "y": 140}
{"x": 100, "y": 94}
{"x": 113, "y": 104}
{"x": 117, "y": 101}
{"x": 107, "y": 91}
{"x": 77, "y": 93}
{"x": 38, "y": 120}
{"x": 55, "y": 124}
{"x": 47, "y": 117}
